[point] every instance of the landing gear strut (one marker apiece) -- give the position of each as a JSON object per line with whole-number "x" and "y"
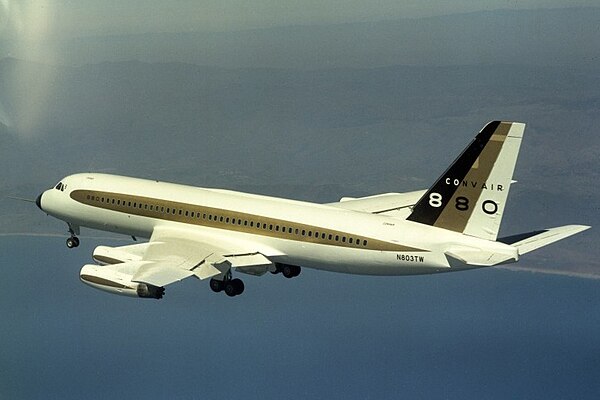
{"x": 73, "y": 240}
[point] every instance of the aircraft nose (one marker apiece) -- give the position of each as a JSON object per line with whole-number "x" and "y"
{"x": 38, "y": 201}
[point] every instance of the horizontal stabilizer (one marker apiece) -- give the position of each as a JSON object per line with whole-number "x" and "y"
{"x": 527, "y": 242}
{"x": 481, "y": 257}
{"x": 380, "y": 203}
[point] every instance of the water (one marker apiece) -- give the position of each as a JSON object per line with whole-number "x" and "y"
{"x": 491, "y": 334}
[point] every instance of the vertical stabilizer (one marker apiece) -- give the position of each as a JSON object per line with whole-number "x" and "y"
{"x": 470, "y": 196}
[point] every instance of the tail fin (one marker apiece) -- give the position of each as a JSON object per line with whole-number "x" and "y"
{"x": 471, "y": 195}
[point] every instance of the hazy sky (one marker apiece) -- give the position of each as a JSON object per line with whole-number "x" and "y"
{"x": 43, "y": 19}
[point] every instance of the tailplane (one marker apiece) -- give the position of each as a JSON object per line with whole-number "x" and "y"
{"x": 470, "y": 197}
{"x": 527, "y": 242}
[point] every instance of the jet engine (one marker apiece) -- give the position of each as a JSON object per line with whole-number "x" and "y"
{"x": 104, "y": 255}
{"x": 111, "y": 280}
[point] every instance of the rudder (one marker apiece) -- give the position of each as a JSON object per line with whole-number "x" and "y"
{"x": 471, "y": 194}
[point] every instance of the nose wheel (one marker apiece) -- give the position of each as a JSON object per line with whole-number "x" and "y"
{"x": 73, "y": 240}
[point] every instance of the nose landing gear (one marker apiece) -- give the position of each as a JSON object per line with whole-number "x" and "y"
{"x": 73, "y": 240}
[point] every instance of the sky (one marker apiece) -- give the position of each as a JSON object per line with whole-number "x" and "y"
{"x": 313, "y": 110}
{"x": 30, "y": 19}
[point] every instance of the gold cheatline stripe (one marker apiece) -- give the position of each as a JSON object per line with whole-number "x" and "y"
{"x": 103, "y": 282}
{"x": 229, "y": 220}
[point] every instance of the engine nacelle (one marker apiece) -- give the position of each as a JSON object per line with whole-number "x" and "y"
{"x": 115, "y": 282}
{"x": 105, "y": 255}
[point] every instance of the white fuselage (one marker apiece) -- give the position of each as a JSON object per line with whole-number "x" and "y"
{"x": 286, "y": 231}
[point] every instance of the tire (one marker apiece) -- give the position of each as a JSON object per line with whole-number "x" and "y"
{"x": 239, "y": 286}
{"x": 290, "y": 271}
{"x": 297, "y": 270}
{"x": 230, "y": 289}
{"x": 216, "y": 285}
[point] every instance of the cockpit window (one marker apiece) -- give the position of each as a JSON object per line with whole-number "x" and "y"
{"x": 61, "y": 186}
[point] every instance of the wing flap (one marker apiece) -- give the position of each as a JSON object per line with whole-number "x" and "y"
{"x": 252, "y": 264}
{"x": 206, "y": 270}
{"x": 160, "y": 274}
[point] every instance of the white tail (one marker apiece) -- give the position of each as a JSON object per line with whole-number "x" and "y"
{"x": 470, "y": 196}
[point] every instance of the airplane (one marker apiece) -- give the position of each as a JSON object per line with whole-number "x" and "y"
{"x": 213, "y": 233}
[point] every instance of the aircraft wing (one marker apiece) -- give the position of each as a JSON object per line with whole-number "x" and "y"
{"x": 174, "y": 254}
{"x": 387, "y": 203}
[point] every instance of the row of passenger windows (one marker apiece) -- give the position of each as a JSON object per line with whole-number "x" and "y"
{"x": 291, "y": 230}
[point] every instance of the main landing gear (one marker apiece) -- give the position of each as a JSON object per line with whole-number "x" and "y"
{"x": 73, "y": 240}
{"x": 234, "y": 287}
{"x": 289, "y": 271}
{"x": 231, "y": 287}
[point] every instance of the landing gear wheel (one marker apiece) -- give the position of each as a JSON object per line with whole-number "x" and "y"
{"x": 216, "y": 285}
{"x": 234, "y": 287}
{"x": 72, "y": 242}
{"x": 290, "y": 271}
{"x": 239, "y": 286}
{"x": 230, "y": 289}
